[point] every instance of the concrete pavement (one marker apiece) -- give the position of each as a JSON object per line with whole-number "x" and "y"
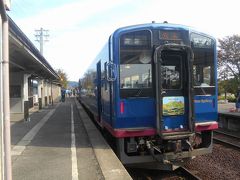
{"x": 55, "y": 144}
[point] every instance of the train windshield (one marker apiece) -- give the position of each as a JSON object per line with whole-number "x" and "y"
{"x": 135, "y": 64}
{"x": 203, "y": 65}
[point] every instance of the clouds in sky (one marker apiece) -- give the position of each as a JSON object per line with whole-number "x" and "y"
{"x": 79, "y": 28}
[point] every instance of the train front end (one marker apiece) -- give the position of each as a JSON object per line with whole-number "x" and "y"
{"x": 165, "y": 94}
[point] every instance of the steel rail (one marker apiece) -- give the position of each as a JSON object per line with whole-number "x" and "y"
{"x": 225, "y": 141}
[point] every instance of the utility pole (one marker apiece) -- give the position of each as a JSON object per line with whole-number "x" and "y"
{"x": 42, "y": 36}
{"x": 6, "y": 164}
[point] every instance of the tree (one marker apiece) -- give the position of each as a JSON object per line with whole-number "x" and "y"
{"x": 63, "y": 78}
{"x": 230, "y": 86}
{"x": 229, "y": 57}
{"x": 229, "y": 64}
{"x": 87, "y": 81}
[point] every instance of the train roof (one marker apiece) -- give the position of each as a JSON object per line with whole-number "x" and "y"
{"x": 166, "y": 26}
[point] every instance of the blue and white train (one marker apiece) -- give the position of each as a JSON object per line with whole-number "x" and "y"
{"x": 153, "y": 87}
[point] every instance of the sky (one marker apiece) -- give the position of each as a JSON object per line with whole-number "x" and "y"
{"x": 78, "y": 29}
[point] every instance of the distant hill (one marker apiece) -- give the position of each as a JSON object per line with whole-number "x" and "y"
{"x": 72, "y": 84}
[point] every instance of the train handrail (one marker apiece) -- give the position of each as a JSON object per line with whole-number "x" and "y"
{"x": 112, "y": 71}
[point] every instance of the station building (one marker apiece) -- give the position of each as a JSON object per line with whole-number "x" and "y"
{"x": 33, "y": 82}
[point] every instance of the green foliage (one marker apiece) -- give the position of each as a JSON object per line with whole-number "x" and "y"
{"x": 229, "y": 57}
{"x": 221, "y": 98}
{"x": 222, "y": 87}
{"x": 229, "y": 65}
{"x": 230, "y": 86}
{"x": 231, "y": 98}
{"x": 87, "y": 81}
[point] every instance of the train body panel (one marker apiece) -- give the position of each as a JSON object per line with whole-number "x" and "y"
{"x": 136, "y": 113}
{"x": 153, "y": 87}
{"x": 205, "y": 108}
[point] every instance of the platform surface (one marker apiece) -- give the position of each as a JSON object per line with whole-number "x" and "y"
{"x": 60, "y": 142}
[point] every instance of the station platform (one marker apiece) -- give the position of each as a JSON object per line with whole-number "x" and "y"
{"x": 229, "y": 118}
{"x": 61, "y": 142}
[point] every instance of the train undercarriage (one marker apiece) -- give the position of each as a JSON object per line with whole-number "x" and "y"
{"x": 155, "y": 153}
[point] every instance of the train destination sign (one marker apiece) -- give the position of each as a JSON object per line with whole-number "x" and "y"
{"x": 170, "y": 35}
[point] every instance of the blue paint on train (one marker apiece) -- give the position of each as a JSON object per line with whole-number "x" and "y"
{"x": 175, "y": 122}
{"x": 138, "y": 113}
{"x": 141, "y": 112}
{"x": 153, "y": 87}
{"x": 205, "y": 108}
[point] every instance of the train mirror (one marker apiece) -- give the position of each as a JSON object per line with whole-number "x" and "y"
{"x": 112, "y": 71}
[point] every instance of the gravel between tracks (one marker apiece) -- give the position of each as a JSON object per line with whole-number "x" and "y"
{"x": 223, "y": 163}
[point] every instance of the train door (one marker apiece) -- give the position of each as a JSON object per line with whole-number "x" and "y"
{"x": 106, "y": 100}
{"x": 173, "y": 90}
{"x": 99, "y": 104}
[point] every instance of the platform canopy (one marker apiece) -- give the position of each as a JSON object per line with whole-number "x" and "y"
{"x": 24, "y": 56}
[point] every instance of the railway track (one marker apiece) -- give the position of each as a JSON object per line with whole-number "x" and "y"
{"x": 146, "y": 174}
{"x": 226, "y": 139}
{"x": 187, "y": 174}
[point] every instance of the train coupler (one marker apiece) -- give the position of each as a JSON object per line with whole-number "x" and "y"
{"x": 179, "y": 145}
{"x": 190, "y": 145}
{"x": 151, "y": 147}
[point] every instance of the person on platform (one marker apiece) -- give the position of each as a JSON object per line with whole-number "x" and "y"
{"x": 63, "y": 92}
{"x": 238, "y": 101}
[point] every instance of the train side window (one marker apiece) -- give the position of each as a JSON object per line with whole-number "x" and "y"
{"x": 203, "y": 65}
{"x": 207, "y": 75}
{"x": 203, "y": 75}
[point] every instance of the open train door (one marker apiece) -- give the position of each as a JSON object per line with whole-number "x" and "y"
{"x": 174, "y": 91}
